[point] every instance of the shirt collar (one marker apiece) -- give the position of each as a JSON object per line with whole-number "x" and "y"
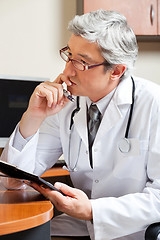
{"x": 102, "y": 103}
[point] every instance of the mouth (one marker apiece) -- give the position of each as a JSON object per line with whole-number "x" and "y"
{"x": 73, "y": 83}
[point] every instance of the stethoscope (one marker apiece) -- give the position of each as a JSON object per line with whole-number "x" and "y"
{"x": 124, "y": 144}
{"x": 69, "y": 167}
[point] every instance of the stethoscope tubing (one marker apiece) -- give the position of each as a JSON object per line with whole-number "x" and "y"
{"x": 131, "y": 109}
{"x": 124, "y": 146}
{"x": 73, "y": 169}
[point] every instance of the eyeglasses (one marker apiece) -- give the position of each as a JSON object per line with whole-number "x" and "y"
{"x": 77, "y": 64}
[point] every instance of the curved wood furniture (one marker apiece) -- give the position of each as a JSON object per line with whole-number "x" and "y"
{"x": 55, "y": 171}
{"x": 22, "y": 210}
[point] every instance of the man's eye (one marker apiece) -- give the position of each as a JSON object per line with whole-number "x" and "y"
{"x": 69, "y": 54}
{"x": 84, "y": 62}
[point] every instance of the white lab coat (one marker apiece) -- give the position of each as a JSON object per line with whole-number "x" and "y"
{"x": 124, "y": 188}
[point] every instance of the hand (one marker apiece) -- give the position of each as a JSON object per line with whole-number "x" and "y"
{"x": 47, "y": 99}
{"x": 75, "y": 203}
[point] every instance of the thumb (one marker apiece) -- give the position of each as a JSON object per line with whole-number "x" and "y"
{"x": 67, "y": 190}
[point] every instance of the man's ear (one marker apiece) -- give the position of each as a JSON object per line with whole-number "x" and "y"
{"x": 117, "y": 71}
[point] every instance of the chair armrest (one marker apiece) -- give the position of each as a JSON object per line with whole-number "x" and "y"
{"x": 152, "y": 231}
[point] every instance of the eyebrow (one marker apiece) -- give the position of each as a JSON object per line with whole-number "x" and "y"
{"x": 85, "y": 56}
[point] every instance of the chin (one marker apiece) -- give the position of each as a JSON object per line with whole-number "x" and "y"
{"x": 76, "y": 92}
{"x": 72, "y": 91}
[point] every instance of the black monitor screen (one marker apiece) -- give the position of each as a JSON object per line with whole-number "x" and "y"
{"x": 14, "y": 98}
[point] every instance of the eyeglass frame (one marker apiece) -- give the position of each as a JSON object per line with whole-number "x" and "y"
{"x": 85, "y": 67}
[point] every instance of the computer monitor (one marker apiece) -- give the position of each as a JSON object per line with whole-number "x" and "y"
{"x": 15, "y": 93}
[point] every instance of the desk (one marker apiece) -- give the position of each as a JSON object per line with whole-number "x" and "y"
{"x": 24, "y": 214}
{"x": 55, "y": 171}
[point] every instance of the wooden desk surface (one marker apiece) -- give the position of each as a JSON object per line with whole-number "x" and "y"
{"x": 22, "y": 209}
{"x": 55, "y": 171}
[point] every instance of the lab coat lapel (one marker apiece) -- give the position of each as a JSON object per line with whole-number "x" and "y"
{"x": 80, "y": 121}
{"x": 109, "y": 120}
{"x": 122, "y": 96}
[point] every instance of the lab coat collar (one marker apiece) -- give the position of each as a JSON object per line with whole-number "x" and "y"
{"x": 123, "y": 94}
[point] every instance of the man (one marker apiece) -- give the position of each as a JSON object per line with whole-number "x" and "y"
{"x": 115, "y": 173}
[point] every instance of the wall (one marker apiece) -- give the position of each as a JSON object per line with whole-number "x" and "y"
{"x": 33, "y": 31}
{"x": 148, "y": 62}
{"x": 31, "y": 34}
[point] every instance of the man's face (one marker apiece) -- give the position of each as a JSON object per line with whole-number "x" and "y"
{"x": 94, "y": 83}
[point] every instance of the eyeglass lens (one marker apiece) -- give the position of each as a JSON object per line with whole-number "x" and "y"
{"x": 75, "y": 63}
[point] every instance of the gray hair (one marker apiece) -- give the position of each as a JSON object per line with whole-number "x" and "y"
{"x": 111, "y": 32}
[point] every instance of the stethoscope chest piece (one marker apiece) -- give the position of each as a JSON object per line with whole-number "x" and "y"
{"x": 124, "y": 145}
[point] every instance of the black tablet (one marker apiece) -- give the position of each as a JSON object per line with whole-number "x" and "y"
{"x": 14, "y": 172}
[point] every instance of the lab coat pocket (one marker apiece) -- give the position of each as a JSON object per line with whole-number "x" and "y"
{"x": 132, "y": 147}
{"x": 132, "y": 164}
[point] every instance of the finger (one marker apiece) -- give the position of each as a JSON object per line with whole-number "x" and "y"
{"x": 43, "y": 92}
{"x": 39, "y": 188}
{"x": 67, "y": 190}
{"x": 50, "y": 92}
{"x": 56, "y": 89}
{"x": 61, "y": 96}
{"x": 59, "y": 88}
{"x": 58, "y": 199}
{"x": 53, "y": 93}
{"x": 63, "y": 79}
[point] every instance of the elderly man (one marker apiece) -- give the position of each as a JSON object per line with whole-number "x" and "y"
{"x": 109, "y": 135}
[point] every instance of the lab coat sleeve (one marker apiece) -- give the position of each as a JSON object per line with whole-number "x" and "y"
{"x": 39, "y": 153}
{"x": 116, "y": 217}
{"x": 19, "y": 156}
{"x": 49, "y": 147}
{"x": 23, "y": 158}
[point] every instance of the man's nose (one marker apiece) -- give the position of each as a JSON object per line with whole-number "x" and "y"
{"x": 69, "y": 69}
